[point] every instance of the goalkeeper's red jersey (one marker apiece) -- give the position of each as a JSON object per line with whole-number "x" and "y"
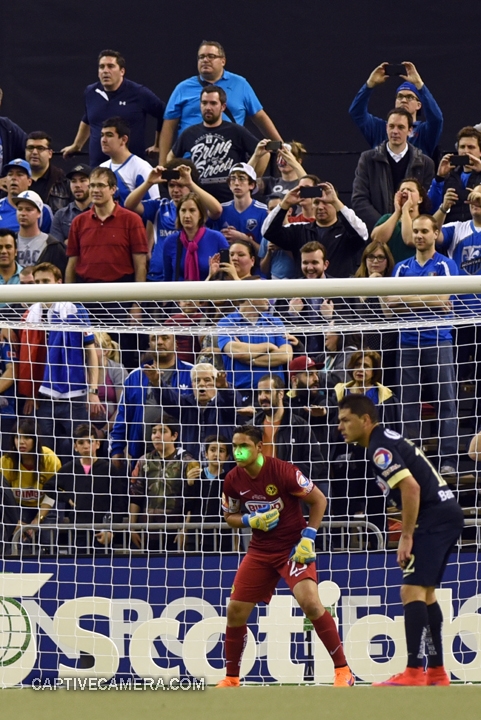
{"x": 280, "y": 485}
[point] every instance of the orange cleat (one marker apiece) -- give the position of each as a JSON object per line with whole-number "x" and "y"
{"x": 437, "y": 676}
{"x": 410, "y": 676}
{"x": 229, "y": 681}
{"x": 343, "y": 677}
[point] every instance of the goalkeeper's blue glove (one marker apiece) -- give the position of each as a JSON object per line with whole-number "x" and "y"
{"x": 266, "y": 518}
{"x": 304, "y": 551}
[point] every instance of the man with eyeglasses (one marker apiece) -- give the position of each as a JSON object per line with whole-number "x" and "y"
{"x": 48, "y": 181}
{"x": 106, "y": 243}
{"x": 113, "y": 94}
{"x": 412, "y": 95}
{"x": 183, "y": 108}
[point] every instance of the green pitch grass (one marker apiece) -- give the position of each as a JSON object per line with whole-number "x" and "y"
{"x": 255, "y": 703}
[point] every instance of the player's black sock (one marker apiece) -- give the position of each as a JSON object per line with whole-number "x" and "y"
{"x": 434, "y": 639}
{"x": 416, "y": 624}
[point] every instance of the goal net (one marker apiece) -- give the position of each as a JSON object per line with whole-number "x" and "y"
{"x": 118, "y": 405}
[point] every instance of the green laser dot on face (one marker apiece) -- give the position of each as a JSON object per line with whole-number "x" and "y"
{"x": 241, "y": 454}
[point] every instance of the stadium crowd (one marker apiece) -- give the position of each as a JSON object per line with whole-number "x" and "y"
{"x": 99, "y": 427}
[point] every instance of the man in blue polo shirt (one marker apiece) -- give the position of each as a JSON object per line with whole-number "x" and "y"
{"x": 426, "y": 355}
{"x": 114, "y": 95}
{"x": 19, "y": 179}
{"x": 412, "y": 95}
{"x": 183, "y": 108}
{"x": 248, "y": 355}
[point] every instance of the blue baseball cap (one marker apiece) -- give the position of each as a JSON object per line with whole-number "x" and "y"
{"x": 19, "y": 163}
{"x": 409, "y": 86}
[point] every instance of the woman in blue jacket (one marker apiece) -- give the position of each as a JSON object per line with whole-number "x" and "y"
{"x": 187, "y": 252}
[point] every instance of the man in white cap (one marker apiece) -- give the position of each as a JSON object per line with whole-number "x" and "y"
{"x": 35, "y": 246}
{"x": 243, "y": 216}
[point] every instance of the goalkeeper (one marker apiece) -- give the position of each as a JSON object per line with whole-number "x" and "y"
{"x": 282, "y": 546}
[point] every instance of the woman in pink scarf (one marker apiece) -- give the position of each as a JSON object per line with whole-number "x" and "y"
{"x": 187, "y": 252}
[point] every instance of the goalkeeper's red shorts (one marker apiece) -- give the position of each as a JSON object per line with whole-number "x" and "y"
{"x": 259, "y": 573}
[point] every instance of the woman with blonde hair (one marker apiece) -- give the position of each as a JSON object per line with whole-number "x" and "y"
{"x": 111, "y": 379}
{"x": 377, "y": 261}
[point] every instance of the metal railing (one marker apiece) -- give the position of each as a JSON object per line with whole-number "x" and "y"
{"x": 50, "y": 545}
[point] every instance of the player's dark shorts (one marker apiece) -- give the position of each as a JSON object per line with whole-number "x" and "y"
{"x": 433, "y": 542}
{"x": 259, "y": 573}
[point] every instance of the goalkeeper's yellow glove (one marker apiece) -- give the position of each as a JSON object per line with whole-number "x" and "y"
{"x": 304, "y": 551}
{"x": 266, "y": 518}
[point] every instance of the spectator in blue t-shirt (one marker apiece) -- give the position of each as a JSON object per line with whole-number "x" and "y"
{"x": 115, "y": 95}
{"x": 412, "y": 95}
{"x": 183, "y": 108}
{"x": 161, "y": 213}
{"x": 242, "y": 217}
{"x": 426, "y": 354}
{"x": 69, "y": 389}
{"x": 461, "y": 241}
{"x": 247, "y": 353}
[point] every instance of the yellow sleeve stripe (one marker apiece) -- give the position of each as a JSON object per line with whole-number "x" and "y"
{"x": 395, "y": 479}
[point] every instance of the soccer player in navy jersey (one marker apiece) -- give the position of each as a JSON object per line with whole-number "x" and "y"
{"x": 282, "y": 546}
{"x": 432, "y": 521}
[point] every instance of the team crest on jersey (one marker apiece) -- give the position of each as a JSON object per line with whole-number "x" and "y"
{"x": 302, "y": 481}
{"x": 251, "y": 224}
{"x": 392, "y": 434}
{"x": 271, "y": 490}
{"x": 382, "y": 458}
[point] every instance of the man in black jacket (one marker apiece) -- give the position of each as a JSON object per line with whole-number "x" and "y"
{"x": 380, "y": 171}
{"x": 286, "y": 435}
{"x": 49, "y": 181}
{"x": 336, "y": 227}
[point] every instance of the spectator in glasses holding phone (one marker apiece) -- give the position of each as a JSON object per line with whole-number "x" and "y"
{"x": 410, "y": 201}
{"x": 457, "y": 174}
{"x": 412, "y": 95}
{"x": 336, "y": 227}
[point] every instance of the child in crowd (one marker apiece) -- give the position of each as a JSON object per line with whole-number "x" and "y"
{"x": 27, "y": 466}
{"x": 162, "y": 485}
{"x": 207, "y": 491}
{"x": 92, "y": 488}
